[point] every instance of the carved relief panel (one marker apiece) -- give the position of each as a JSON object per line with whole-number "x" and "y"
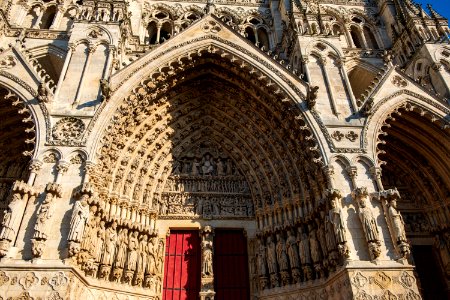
{"x": 206, "y": 183}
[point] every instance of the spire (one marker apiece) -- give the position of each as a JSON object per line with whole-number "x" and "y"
{"x": 434, "y": 13}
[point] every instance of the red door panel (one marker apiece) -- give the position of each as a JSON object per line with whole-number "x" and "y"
{"x": 231, "y": 279}
{"x": 182, "y": 266}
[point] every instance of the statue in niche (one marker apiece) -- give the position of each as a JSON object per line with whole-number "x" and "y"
{"x": 368, "y": 222}
{"x": 292, "y": 250}
{"x": 314, "y": 245}
{"x": 100, "y": 240}
{"x": 336, "y": 219}
{"x": 281, "y": 254}
{"x": 261, "y": 259}
{"x": 133, "y": 245}
{"x": 303, "y": 241}
{"x": 271, "y": 255}
{"x": 229, "y": 166}
{"x": 44, "y": 214}
{"x": 80, "y": 217}
{"x": 207, "y": 270}
{"x": 195, "y": 167}
{"x": 142, "y": 254}
{"x": 122, "y": 246}
{"x": 397, "y": 221}
{"x": 9, "y": 218}
{"x": 207, "y": 165}
{"x": 220, "y": 167}
{"x": 110, "y": 245}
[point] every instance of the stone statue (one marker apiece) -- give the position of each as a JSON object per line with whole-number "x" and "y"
{"x": 133, "y": 245}
{"x": 105, "y": 89}
{"x": 207, "y": 258}
{"x": 292, "y": 250}
{"x": 110, "y": 245}
{"x": 99, "y": 244}
{"x": 311, "y": 96}
{"x": 9, "y": 218}
{"x": 281, "y": 254}
{"x": 261, "y": 259}
{"x": 368, "y": 222}
{"x": 271, "y": 256}
{"x": 5, "y": 232}
{"x": 220, "y": 167}
{"x": 336, "y": 220}
{"x": 207, "y": 165}
{"x": 397, "y": 221}
{"x": 43, "y": 215}
{"x": 80, "y": 216}
{"x": 314, "y": 245}
{"x": 122, "y": 248}
{"x": 43, "y": 94}
{"x": 305, "y": 254}
{"x": 142, "y": 255}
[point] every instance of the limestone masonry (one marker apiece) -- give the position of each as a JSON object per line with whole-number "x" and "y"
{"x": 224, "y": 149}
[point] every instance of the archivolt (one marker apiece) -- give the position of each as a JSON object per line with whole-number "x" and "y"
{"x": 208, "y": 99}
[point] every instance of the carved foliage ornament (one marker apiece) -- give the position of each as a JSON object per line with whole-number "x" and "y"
{"x": 68, "y": 130}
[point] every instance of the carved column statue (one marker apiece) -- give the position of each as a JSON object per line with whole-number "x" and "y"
{"x": 207, "y": 280}
{"x": 282, "y": 259}
{"x": 368, "y": 222}
{"x": 336, "y": 219}
{"x": 292, "y": 251}
{"x": 43, "y": 223}
{"x": 261, "y": 264}
{"x": 79, "y": 219}
{"x": 21, "y": 193}
{"x": 395, "y": 220}
{"x": 271, "y": 253}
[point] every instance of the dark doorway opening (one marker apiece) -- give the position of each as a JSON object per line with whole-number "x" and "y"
{"x": 231, "y": 279}
{"x": 429, "y": 273}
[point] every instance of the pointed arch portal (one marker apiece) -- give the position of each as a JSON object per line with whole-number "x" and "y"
{"x": 202, "y": 140}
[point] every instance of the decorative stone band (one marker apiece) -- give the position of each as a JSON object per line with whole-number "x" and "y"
{"x": 21, "y": 193}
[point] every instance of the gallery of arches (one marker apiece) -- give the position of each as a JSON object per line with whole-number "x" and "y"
{"x": 224, "y": 150}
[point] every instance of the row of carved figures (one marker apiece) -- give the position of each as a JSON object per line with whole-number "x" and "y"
{"x": 312, "y": 249}
{"x": 117, "y": 253}
{"x": 104, "y": 12}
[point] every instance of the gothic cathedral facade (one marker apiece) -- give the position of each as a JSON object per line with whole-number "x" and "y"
{"x": 224, "y": 149}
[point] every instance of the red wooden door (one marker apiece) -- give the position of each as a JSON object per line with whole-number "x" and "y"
{"x": 231, "y": 279}
{"x": 182, "y": 266}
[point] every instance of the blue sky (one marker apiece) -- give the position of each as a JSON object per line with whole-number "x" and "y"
{"x": 441, "y": 6}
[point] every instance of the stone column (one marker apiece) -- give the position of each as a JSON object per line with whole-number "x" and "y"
{"x": 34, "y": 167}
{"x": 86, "y": 67}
{"x": 207, "y": 281}
{"x": 330, "y": 88}
{"x": 64, "y": 69}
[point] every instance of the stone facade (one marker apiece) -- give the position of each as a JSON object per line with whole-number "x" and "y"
{"x": 320, "y": 128}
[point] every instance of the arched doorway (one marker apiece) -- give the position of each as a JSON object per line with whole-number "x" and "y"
{"x": 416, "y": 152}
{"x": 203, "y": 143}
{"x": 16, "y": 143}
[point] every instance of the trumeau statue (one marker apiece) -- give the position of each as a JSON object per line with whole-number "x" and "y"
{"x": 207, "y": 252}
